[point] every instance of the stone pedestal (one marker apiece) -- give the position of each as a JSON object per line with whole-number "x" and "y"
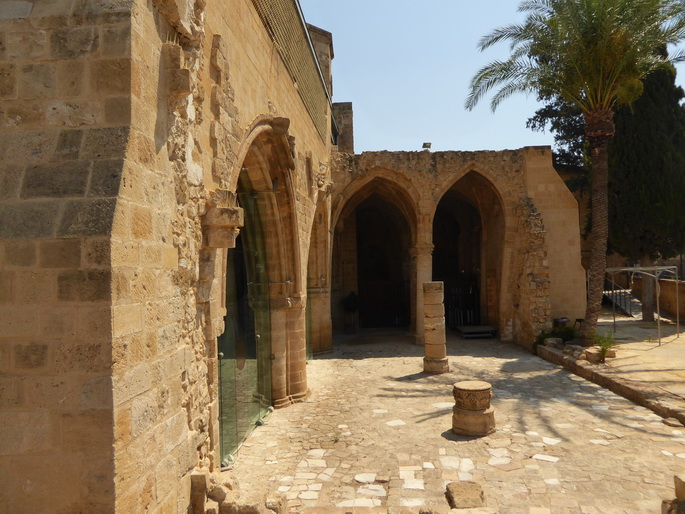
{"x": 472, "y": 413}
{"x": 435, "y": 360}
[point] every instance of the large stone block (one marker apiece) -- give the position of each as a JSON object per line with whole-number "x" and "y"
{"x": 97, "y": 252}
{"x": 25, "y": 432}
{"x": 102, "y": 11}
{"x": 116, "y": 40}
{"x": 10, "y": 181}
{"x": 35, "y": 287}
{"x": 37, "y": 80}
{"x": 31, "y": 356}
{"x": 80, "y": 358}
{"x": 84, "y": 285}
{"x": 28, "y": 219}
{"x": 68, "y": 145}
{"x": 56, "y": 180}
{"x": 15, "y": 9}
{"x": 117, "y": 110}
{"x": 20, "y": 253}
{"x": 28, "y": 146}
{"x": 11, "y": 387}
{"x": 93, "y": 393}
{"x": 141, "y": 222}
{"x": 433, "y": 287}
{"x": 436, "y": 351}
{"x": 27, "y": 45}
{"x": 106, "y": 178}
{"x": 87, "y": 218}
{"x": 434, "y": 337}
{"x": 70, "y": 78}
{"x": 8, "y": 80}
{"x": 135, "y": 382}
{"x": 74, "y": 113}
{"x": 105, "y": 143}
{"x": 24, "y": 114}
{"x": 74, "y": 42}
{"x": 111, "y": 76}
{"x": 6, "y": 287}
{"x": 87, "y": 432}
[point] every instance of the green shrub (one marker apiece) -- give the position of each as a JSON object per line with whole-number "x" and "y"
{"x": 606, "y": 342}
{"x": 563, "y": 333}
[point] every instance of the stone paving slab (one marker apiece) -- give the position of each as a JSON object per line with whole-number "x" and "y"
{"x": 562, "y": 444}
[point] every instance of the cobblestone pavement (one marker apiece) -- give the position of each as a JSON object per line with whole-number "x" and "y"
{"x": 374, "y": 435}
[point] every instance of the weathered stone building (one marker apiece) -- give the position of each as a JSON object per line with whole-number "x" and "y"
{"x": 178, "y": 231}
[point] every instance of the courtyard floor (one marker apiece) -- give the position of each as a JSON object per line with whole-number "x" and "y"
{"x": 374, "y": 436}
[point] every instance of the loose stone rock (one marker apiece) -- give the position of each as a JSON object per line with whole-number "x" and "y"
{"x": 465, "y": 495}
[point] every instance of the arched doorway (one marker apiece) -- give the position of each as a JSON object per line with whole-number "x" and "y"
{"x": 372, "y": 268}
{"x": 263, "y": 345}
{"x": 245, "y": 346}
{"x": 468, "y": 238}
{"x": 383, "y": 264}
{"x": 456, "y": 259}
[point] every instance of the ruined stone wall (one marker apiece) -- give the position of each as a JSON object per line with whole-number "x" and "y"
{"x": 559, "y": 209}
{"x": 64, "y": 116}
{"x": 539, "y": 272}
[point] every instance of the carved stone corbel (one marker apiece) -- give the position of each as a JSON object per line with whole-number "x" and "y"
{"x": 221, "y": 223}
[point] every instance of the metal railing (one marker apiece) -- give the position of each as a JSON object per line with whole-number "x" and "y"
{"x": 619, "y": 296}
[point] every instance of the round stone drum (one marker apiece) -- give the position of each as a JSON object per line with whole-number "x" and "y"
{"x": 472, "y": 413}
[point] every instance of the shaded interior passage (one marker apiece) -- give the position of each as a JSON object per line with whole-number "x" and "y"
{"x": 383, "y": 265}
{"x": 456, "y": 259}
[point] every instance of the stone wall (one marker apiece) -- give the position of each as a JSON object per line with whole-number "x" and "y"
{"x": 215, "y": 100}
{"x": 124, "y": 128}
{"x": 65, "y": 76}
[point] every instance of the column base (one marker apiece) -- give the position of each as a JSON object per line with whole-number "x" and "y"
{"x": 290, "y": 399}
{"x": 474, "y": 423}
{"x": 436, "y": 366}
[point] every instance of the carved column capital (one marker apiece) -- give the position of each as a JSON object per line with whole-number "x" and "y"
{"x": 422, "y": 249}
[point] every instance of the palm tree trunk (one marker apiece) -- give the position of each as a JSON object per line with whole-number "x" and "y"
{"x": 599, "y": 128}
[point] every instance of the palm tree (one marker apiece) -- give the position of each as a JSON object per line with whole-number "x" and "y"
{"x": 594, "y": 53}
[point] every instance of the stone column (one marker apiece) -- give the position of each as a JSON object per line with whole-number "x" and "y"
{"x": 472, "y": 413}
{"x": 297, "y": 351}
{"x": 435, "y": 360}
{"x": 289, "y": 351}
{"x": 422, "y": 255}
{"x": 319, "y": 303}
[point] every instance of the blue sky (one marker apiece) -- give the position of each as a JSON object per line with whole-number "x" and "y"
{"x": 406, "y": 64}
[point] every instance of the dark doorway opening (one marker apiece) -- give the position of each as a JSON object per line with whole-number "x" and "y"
{"x": 382, "y": 264}
{"x": 456, "y": 259}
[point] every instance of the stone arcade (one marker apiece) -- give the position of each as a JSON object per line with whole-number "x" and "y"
{"x": 181, "y": 216}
